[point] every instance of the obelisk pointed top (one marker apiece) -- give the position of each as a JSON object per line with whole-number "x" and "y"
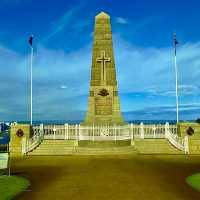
{"x": 102, "y": 15}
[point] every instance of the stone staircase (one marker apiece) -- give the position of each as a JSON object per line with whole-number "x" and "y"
{"x": 70, "y": 147}
{"x": 155, "y": 146}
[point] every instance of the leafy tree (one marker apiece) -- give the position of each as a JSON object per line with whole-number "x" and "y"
{"x": 198, "y": 121}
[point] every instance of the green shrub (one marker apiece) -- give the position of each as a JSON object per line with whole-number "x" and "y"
{"x": 198, "y": 121}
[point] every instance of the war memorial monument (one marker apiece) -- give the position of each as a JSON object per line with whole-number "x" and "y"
{"x": 103, "y": 105}
{"x": 104, "y": 130}
{"x": 103, "y": 157}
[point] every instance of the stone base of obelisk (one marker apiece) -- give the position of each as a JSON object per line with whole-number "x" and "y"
{"x": 103, "y": 110}
{"x": 103, "y": 121}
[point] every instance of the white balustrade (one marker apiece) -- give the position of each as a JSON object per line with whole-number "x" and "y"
{"x": 107, "y": 132}
{"x": 31, "y": 143}
{"x": 175, "y": 140}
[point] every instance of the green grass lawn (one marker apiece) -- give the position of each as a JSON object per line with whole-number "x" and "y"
{"x": 194, "y": 181}
{"x": 10, "y": 186}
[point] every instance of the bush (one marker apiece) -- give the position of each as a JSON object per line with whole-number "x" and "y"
{"x": 198, "y": 121}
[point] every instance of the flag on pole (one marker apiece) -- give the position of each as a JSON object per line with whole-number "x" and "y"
{"x": 175, "y": 43}
{"x": 30, "y": 40}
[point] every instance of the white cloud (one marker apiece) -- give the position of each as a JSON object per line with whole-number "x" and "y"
{"x": 63, "y": 87}
{"x": 153, "y": 68}
{"x": 143, "y": 71}
{"x": 66, "y": 21}
{"x": 121, "y": 20}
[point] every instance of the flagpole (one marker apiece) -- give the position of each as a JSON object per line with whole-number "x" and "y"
{"x": 176, "y": 73}
{"x": 31, "y": 85}
{"x": 177, "y": 102}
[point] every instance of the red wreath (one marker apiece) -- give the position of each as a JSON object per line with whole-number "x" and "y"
{"x": 190, "y": 131}
{"x": 20, "y": 133}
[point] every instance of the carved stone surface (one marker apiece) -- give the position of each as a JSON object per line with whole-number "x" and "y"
{"x": 103, "y": 102}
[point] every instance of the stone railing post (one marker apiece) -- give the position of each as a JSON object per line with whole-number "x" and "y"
{"x": 115, "y": 132}
{"x": 154, "y": 131}
{"x": 24, "y": 145}
{"x": 131, "y": 131}
{"x": 93, "y": 132}
{"x": 166, "y": 130}
{"x": 186, "y": 144}
{"x": 79, "y": 130}
{"x": 141, "y": 130}
{"x": 41, "y": 130}
{"x": 66, "y": 131}
{"x": 76, "y": 130}
{"x": 54, "y": 132}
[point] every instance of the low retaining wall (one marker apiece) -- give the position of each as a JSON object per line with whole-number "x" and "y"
{"x": 18, "y": 132}
{"x": 183, "y": 127}
{"x": 194, "y": 139}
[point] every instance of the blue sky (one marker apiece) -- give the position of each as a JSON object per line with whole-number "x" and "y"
{"x": 142, "y": 39}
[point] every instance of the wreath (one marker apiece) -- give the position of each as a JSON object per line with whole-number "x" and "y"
{"x": 190, "y": 131}
{"x": 19, "y": 133}
{"x": 103, "y": 93}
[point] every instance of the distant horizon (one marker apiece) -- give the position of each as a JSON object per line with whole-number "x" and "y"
{"x": 81, "y": 120}
{"x": 128, "y": 116}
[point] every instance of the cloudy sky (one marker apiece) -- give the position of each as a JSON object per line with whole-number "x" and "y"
{"x": 63, "y": 30}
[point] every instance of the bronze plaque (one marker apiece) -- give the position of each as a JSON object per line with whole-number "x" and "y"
{"x": 103, "y": 106}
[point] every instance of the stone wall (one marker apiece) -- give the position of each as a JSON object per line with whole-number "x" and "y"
{"x": 18, "y": 134}
{"x": 194, "y": 140}
{"x": 182, "y": 129}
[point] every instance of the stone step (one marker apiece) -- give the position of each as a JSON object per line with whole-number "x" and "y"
{"x": 82, "y": 153}
{"x": 156, "y": 146}
{"x": 56, "y": 146}
{"x": 59, "y": 141}
{"x": 102, "y": 144}
{"x": 143, "y": 146}
{"x": 52, "y": 150}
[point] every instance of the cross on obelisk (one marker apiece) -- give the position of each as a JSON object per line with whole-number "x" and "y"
{"x": 103, "y": 59}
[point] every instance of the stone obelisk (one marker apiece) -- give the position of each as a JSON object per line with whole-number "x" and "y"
{"x": 103, "y": 101}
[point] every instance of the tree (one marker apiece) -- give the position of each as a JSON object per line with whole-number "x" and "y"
{"x": 198, "y": 121}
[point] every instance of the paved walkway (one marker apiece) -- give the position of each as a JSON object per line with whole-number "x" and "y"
{"x": 108, "y": 178}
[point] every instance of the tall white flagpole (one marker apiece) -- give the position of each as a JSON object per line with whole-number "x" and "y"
{"x": 176, "y": 73}
{"x": 31, "y": 45}
{"x": 31, "y": 85}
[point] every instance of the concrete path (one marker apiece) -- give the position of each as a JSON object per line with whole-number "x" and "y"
{"x": 108, "y": 178}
